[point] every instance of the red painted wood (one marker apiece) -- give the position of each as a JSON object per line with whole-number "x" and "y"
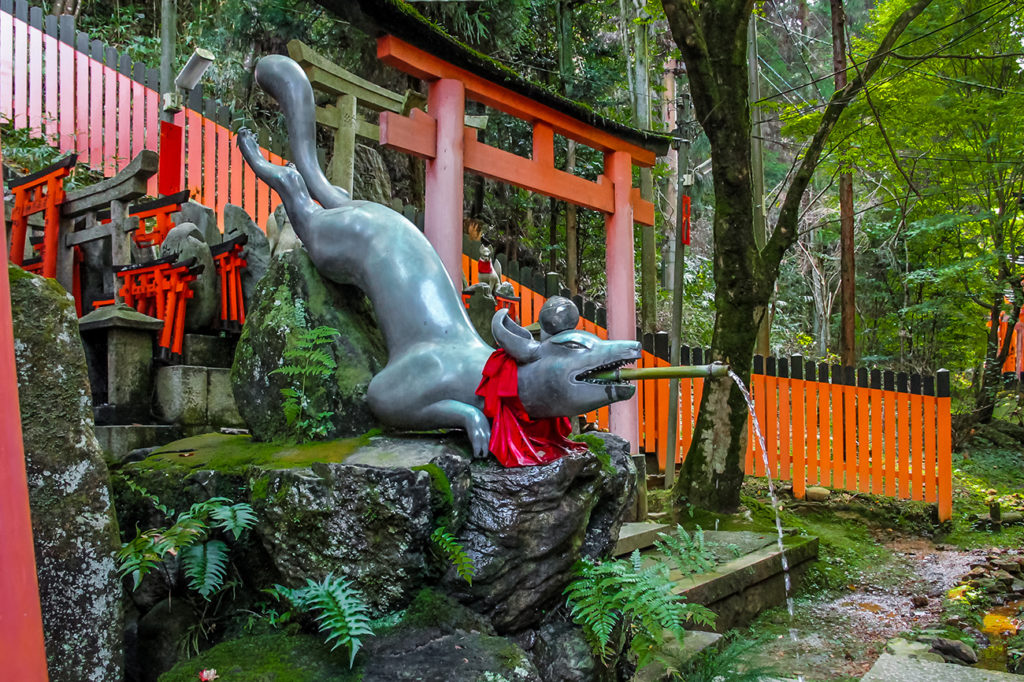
{"x": 209, "y": 190}
{"x": 877, "y": 447}
{"x": 21, "y": 625}
{"x": 236, "y": 169}
{"x": 82, "y": 105}
{"x": 222, "y": 168}
{"x": 138, "y": 136}
{"x": 849, "y": 420}
{"x": 124, "y": 122}
{"x": 917, "y": 427}
{"x": 662, "y": 387}
{"x": 152, "y": 111}
{"x": 52, "y": 79}
{"x": 20, "y": 74}
{"x": 416, "y": 62}
{"x": 66, "y": 101}
{"x": 770, "y": 424}
{"x": 415, "y": 134}
{"x": 171, "y": 141}
{"x": 35, "y": 80}
{"x": 903, "y": 433}
{"x": 193, "y": 152}
{"x": 442, "y": 223}
{"x": 889, "y": 427}
{"x": 929, "y": 406}
{"x": 863, "y": 440}
{"x": 95, "y": 130}
{"x": 6, "y": 65}
{"x": 250, "y": 190}
{"x": 944, "y": 458}
{"x": 835, "y": 422}
{"x": 110, "y": 121}
{"x": 784, "y": 425}
{"x": 810, "y": 431}
{"x": 798, "y": 391}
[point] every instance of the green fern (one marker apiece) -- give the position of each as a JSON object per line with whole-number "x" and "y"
{"x": 687, "y": 552}
{"x": 203, "y": 560}
{"x": 625, "y": 594}
{"x": 455, "y": 553}
{"x": 153, "y": 499}
{"x": 205, "y": 566}
{"x": 341, "y": 612}
{"x": 307, "y": 360}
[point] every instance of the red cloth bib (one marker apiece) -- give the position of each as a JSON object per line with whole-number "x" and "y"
{"x": 517, "y": 440}
{"x": 484, "y": 267}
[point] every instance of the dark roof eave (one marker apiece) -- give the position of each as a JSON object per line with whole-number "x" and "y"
{"x": 379, "y": 17}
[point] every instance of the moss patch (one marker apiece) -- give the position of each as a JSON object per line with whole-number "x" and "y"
{"x": 599, "y": 450}
{"x": 430, "y": 609}
{"x": 236, "y": 454}
{"x": 269, "y": 658}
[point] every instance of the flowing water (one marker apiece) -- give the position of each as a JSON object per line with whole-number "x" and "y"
{"x": 775, "y": 500}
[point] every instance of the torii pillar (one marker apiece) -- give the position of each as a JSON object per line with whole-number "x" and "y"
{"x": 442, "y": 215}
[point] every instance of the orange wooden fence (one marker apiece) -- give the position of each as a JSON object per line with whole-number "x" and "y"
{"x": 84, "y": 97}
{"x": 865, "y": 431}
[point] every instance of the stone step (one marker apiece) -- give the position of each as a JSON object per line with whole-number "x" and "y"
{"x": 117, "y": 441}
{"x": 743, "y": 587}
{"x": 890, "y": 668}
{"x": 695, "y": 642}
{"x": 190, "y": 395}
{"x": 638, "y": 535}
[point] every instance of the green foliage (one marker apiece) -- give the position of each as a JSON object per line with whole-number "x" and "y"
{"x": 308, "y": 361}
{"x": 203, "y": 560}
{"x": 626, "y": 596}
{"x": 339, "y": 610}
{"x": 687, "y": 552}
{"x": 717, "y": 664}
{"x": 455, "y": 553}
{"x": 27, "y": 151}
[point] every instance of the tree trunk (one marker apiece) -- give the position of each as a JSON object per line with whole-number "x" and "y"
{"x": 995, "y": 356}
{"x": 847, "y": 265}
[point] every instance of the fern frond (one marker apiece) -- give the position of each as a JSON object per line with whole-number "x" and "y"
{"x": 455, "y": 553}
{"x": 205, "y": 566}
{"x": 343, "y": 614}
{"x": 235, "y": 518}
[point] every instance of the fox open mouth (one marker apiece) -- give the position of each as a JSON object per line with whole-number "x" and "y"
{"x": 587, "y": 376}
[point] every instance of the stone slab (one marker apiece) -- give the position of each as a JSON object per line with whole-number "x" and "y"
{"x": 889, "y": 668}
{"x": 204, "y": 350}
{"x": 118, "y": 316}
{"x": 181, "y": 395}
{"x": 118, "y": 441}
{"x": 695, "y": 642}
{"x": 638, "y": 535}
{"x": 220, "y": 402}
{"x": 744, "y": 587}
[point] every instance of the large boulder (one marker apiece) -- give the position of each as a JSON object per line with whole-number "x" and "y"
{"x": 290, "y": 299}
{"x": 526, "y": 527}
{"x": 256, "y": 251}
{"x": 184, "y": 242}
{"x": 202, "y": 217}
{"x": 75, "y": 531}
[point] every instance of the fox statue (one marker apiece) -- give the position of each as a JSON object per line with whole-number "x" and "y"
{"x": 436, "y": 360}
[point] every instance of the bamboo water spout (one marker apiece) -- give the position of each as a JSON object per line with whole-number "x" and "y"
{"x": 715, "y": 369}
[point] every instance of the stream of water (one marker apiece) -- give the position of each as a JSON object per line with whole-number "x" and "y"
{"x": 775, "y": 500}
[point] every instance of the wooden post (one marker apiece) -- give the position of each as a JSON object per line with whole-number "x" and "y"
{"x": 618, "y": 168}
{"x": 21, "y": 623}
{"x": 443, "y": 220}
{"x": 944, "y": 454}
{"x": 343, "y": 159}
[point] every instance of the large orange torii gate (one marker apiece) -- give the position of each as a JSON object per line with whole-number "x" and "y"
{"x": 450, "y": 148}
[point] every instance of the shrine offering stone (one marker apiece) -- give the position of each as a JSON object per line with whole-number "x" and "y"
{"x": 256, "y": 250}
{"x": 526, "y": 527}
{"x": 291, "y": 299}
{"x": 202, "y": 307}
{"x": 73, "y": 523}
{"x": 202, "y": 217}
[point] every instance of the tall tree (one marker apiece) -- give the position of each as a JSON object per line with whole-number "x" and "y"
{"x": 847, "y": 262}
{"x": 712, "y": 36}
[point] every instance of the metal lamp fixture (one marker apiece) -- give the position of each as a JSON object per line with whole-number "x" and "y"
{"x": 187, "y": 78}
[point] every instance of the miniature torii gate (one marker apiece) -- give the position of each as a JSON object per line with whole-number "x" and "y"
{"x": 449, "y": 148}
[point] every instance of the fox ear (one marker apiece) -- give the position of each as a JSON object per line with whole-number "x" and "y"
{"x": 513, "y": 339}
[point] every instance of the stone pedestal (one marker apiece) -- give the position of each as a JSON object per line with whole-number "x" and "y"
{"x": 119, "y": 349}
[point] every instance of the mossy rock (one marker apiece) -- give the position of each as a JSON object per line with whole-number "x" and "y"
{"x": 269, "y": 658}
{"x": 290, "y": 299}
{"x": 73, "y": 523}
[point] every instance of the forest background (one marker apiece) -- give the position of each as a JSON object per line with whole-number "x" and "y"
{"x": 934, "y": 146}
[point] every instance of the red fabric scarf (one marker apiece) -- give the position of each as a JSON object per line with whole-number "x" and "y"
{"x": 517, "y": 440}
{"x": 484, "y": 267}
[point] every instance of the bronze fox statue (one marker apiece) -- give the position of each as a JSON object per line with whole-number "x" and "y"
{"x": 435, "y": 356}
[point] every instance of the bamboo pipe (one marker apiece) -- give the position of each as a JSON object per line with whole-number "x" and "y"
{"x": 715, "y": 369}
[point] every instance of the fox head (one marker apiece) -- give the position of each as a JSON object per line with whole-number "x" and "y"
{"x": 553, "y": 373}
